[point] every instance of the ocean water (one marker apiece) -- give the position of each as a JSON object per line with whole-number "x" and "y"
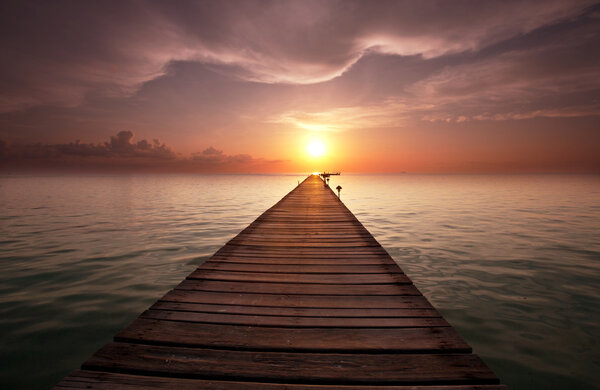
{"x": 513, "y": 262}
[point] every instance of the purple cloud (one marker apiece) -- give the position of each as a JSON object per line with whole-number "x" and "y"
{"x": 121, "y": 154}
{"x": 63, "y": 52}
{"x": 212, "y": 156}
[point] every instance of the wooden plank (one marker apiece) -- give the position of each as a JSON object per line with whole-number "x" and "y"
{"x": 275, "y": 240}
{"x": 307, "y": 251}
{"x": 303, "y": 218}
{"x": 284, "y": 234}
{"x": 339, "y": 257}
{"x": 298, "y": 288}
{"x": 355, "y": 340}
{"x": 280, "y": 232}
{"x": 306, "y": 301}
{"x": 303, "y": 243}
{"x": 315, "y": 245}
{"x": 295, "y": 321}
{"x": 300, "y": 251}
{"x": 302, "y": 260}
{"x": 279, "y": 235}
{"x": 302, "y": 269}
{"x": 97, "y": 380}
{"x": 294, "y": 311}
{"x": 300, "y": 278}
{"x": 292, "y": 367}
{"x": 303, "y": 253}
{"x": 312, "y": 227}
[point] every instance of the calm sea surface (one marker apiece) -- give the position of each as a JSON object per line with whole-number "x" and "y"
{"x": 513, "y": 262}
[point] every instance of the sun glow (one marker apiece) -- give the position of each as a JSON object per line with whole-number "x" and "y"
{"x": 316, "y": 148}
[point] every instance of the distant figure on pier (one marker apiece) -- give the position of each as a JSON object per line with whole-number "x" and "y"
{"x": 339, "y": 188}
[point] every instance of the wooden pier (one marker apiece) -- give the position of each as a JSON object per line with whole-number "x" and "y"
{"x": 304, "y": 298}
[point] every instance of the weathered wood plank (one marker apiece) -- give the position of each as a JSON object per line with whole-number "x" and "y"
{"x": 280, "y": 232}
{"x": 96, "y": 380}
{"x": 295, "y": 321}
{"x": 302, "y": 260}
{"x": 302, "y": 269}
{"x": 298, "y": 288}
{"x": 313, "y": 301}
{"x": 315, "y": 245}
{"x": 300, "y": 278}
{"x": 294, "y": 311}
{"x": 365, "y": 340}
{"x": 292, "y": 367}
{"x": 374, "y": 250}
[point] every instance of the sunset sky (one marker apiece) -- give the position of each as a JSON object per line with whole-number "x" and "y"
{"x": 246, "y": 86}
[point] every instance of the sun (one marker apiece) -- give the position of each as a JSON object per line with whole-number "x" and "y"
{"x": 316, "y": 148}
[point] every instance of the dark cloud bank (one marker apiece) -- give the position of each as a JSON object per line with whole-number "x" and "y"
{"x": 122, "y": 154}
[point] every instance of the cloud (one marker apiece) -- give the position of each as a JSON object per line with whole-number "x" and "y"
{"x": 121, "y": 154}
{"x": 390, "y": 113}
{"x": 63, "y": 52}
{"x": 546, "y": 82}
{"x": 212, "y": 156}
{"x": 119, "y": 146}
{"x": 552, "y": 72}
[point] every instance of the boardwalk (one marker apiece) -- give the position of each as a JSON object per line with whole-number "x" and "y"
{"x": 304, "y": 298}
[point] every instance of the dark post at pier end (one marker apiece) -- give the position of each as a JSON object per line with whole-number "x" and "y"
{"x": 325, "y": 177}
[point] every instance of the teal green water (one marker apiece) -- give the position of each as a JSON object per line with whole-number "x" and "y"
{"x": 513, "y": 262}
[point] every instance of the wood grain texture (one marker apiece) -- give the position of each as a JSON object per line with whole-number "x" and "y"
{"x": 304, "y": 298}
{"x": 299, "y": 278}
{"x": 291, "y": 367}
{"x": 328, "y": 269}
{"x": 294, "y": 311}
{"x": 97, "y": 380}
{"x": 311, "y": 301}
{"x": 295, "y": 321}
{"x": 364, "y": 340}
{"x": 297, "y": 288}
